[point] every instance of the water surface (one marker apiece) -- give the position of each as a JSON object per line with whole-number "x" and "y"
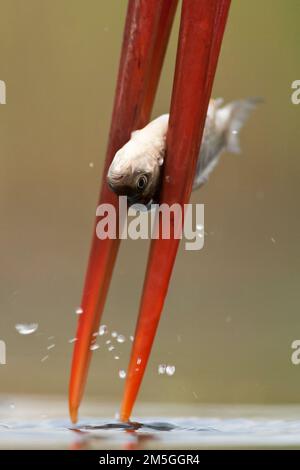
{"x": 35, "y": 423}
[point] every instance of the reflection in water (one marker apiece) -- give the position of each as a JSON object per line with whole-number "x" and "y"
{"x": 81, "y": 440}
{"x": 139, "y": 441}
{"x": 134, "y": 441}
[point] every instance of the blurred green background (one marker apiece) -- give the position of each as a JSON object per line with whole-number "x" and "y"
{"x": 233, "y": 308}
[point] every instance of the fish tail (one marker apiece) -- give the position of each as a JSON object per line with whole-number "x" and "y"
{"x": 237, "y": 114}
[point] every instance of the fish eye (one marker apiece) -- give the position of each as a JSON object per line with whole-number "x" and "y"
{"x": 142, "y": 182}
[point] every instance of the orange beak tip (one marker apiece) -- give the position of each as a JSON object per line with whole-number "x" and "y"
{"x": 74, "y": 415}
{"x": 124, "y": 418}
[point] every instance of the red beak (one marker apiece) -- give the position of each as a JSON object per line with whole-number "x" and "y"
{"x": 147, "y": 30}
{"x": 201, "y": 33}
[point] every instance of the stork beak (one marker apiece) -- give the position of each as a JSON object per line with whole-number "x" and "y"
{"x": 147, "y": 28}
{"x": 201, "y": 32}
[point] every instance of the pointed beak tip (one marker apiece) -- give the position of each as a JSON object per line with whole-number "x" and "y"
{"x": 74, "y": 414}
{"x": 124, "y": 419}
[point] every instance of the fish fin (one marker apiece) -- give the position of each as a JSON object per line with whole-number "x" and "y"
{"x": 202, "y": 175}
{"x": 229, "y": 120}
{"x": 234, "y": 116}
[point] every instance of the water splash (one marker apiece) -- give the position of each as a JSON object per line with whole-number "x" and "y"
{"x": 103, "y": 330}
{"x": 161, "y": 369}
{"x": 122, "y": 374}
{"x": 166, "y": 369}
{"x": 26, "y": 329}
{"x": 170, "y": 370}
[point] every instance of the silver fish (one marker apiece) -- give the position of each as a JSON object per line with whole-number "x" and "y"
{"x": 136, "y": 168}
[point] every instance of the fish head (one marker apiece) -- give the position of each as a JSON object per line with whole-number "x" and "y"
{"x": 135, "y": 173}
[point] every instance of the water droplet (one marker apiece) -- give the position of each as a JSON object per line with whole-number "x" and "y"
{"x": 234, "y": 132}
{"x": 139, "y": 360}
{"x": 103, "y": 330}
{"x": 51, "y": 346}
{"x": 12, "y": 406}
{"x": 122, "y": 374}
{"x": 79, "y": 311}
{"x": 72, "y": 340}
{"x": 93, "y": 347}
{"x": 114, "y": 334}
{"x": 91, "y": 164}
{"x": 131, "y": 338}
{"x": 26, "y": 329}
{"x": 199, "y": 227}
{"x": 161, "y": 369}
{"x": 111, "y": 348}
{"x": 121, "y": 338}
{"x": 44, "y": 358}
{"x": 117, "y": 357}
{"x": 170, "y": 370}
{"x": 95, "y": 334}
{"x": 273, "y": 240}
{"x": 108, "y": 341}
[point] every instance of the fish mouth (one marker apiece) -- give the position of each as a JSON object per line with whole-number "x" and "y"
{"x": 123, "y": 190}
{"x": 117, "y": 184}
{"x": 113, "y": 179}
{"x": 132, "y": 199}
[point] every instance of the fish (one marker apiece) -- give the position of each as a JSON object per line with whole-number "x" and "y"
{"x": 136, "y": 168}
